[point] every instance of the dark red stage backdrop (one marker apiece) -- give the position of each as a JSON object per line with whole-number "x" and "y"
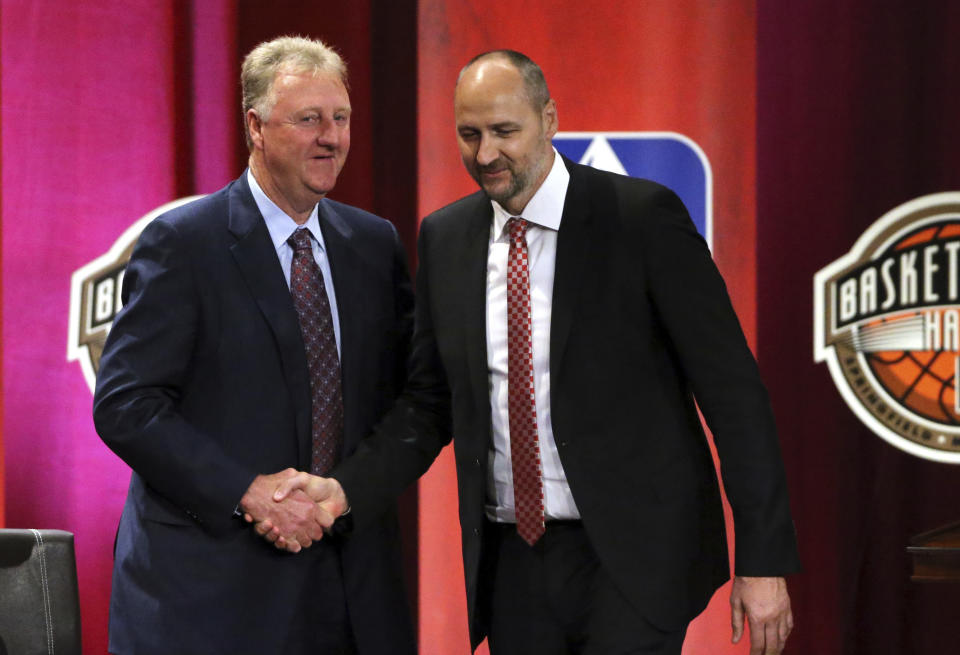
{"x": 856, "y": 115}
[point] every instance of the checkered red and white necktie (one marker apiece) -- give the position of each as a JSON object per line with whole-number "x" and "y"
{"x": 323, "y": 362}
{"x": 524, "y": 443}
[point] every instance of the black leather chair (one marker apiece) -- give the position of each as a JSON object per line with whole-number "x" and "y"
{"x": 39, "y": 602}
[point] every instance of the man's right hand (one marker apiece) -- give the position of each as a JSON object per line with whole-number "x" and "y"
{"x": 327, "y": 493}
{"x": 292, "y": 523}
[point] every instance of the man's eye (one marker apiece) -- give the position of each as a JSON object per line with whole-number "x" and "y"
{"x": 311, "y": 119}
{"x": 341, "y": 118}
{"x": 505, "y": 132}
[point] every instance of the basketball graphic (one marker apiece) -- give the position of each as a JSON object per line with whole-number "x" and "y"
{"x": 887, "y": 322}
{"x": 923, "y": 381}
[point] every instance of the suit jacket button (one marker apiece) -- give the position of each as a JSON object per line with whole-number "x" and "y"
{"x": 476, "y": 532}
{"x": 477, "y": 461}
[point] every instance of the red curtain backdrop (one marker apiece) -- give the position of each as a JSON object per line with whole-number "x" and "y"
{"x": 684, "y": 66}
{"x": 89, "y": 124}
{"x": 856, "y": 115}
{"x": 817, "y": 118}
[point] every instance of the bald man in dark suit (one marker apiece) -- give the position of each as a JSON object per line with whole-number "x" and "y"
{"x": 569, "y": 322}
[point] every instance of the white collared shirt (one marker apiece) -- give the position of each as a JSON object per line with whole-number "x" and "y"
{"x": 281, "y": 228}
{"x": 543, "y": 213}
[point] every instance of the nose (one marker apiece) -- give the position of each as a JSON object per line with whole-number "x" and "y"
{"x": 486, "y": 152}
{"x": 328, "y": 133}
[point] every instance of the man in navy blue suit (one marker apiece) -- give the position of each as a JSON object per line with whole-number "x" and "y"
{"x": 206, "y": 391}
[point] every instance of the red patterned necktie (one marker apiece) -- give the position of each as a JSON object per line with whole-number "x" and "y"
{"x": 524, "y": 442}
{"x": 323, "y": 363}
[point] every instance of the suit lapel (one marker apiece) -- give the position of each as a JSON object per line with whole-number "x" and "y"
{"x": 572, "y": 263}
{"x": 473, "y": 290}
{"x": 348, "y": 271}
{"x": 255, "y": 256}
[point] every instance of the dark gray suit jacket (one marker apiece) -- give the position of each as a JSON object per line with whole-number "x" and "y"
{"x": 641, "y": 327}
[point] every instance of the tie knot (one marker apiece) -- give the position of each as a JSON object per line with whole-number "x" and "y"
{"x": 518, "y": 228}
{"x": 300, "y": 240}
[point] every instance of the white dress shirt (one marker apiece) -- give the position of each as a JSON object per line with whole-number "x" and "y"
{"x": 543, "y": 214}
{"x": 281, "y": 228}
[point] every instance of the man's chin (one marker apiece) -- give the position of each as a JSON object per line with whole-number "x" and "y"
{"x": 497, "y": 192}
{"x": 321, "y": 189}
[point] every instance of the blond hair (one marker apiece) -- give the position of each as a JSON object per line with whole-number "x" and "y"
{"x": 284, "y": 54}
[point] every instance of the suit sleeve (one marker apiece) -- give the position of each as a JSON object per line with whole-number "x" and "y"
{"x": 411, "y": 435}
{"x": 144, "y": 370}
{"x": 404, "y": 309}
{"x": 691, "y": 300}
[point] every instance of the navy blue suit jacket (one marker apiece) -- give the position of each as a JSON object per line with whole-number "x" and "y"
{"x": 203, "y": 384}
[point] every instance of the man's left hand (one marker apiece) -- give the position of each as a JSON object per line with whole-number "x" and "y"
{"x": 766, "y": 605}
{"x": 325, "y": 492}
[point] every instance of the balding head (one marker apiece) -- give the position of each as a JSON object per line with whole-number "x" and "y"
{"x": 503, "y": 132}
{"x": 534, "y": 83}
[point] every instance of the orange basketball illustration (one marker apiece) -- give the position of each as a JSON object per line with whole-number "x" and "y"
{"x": 922, "y": 381}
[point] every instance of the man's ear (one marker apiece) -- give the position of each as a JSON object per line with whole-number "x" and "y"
{"x": 549, "y": 118}
{"x": 255, "y": 128}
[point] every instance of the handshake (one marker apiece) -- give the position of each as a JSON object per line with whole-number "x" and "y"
{"x": 291, "y": 509}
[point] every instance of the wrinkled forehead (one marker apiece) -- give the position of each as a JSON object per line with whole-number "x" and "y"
{"x": 302, "y": 86}
{"x": 487, "y": 105}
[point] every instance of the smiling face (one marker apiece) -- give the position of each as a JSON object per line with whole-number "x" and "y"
{"x": 301, "y": 145}
{"x": 504, "y": 140}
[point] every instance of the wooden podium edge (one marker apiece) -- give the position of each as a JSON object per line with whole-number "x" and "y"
{"x": 936, "y": 554}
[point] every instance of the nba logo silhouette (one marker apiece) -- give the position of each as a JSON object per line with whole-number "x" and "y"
{"x": 671, "y": 159}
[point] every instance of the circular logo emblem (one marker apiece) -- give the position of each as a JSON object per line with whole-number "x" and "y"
{"x": 887, "y": 322}
{"x": 95, "y": 295}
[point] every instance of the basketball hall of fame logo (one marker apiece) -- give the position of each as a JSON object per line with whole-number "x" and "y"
{"x": 887, "y": 322}
{"x": 95, "y": 296}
